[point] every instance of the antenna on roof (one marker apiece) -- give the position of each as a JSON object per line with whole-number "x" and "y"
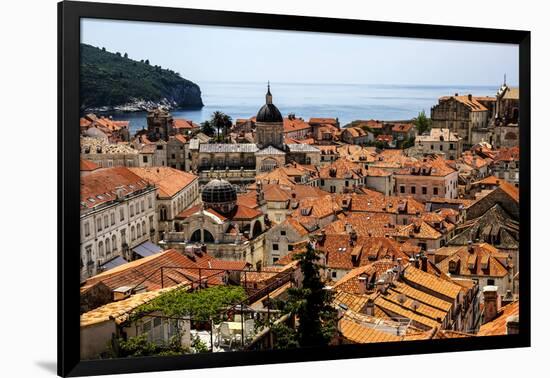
{"x": 505, "y": 78}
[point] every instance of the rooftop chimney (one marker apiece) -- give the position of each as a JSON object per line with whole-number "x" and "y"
{"x": 512, "y": 325}
{"x": 370, "y": 307}
{"x": 508, "y": 298}
{"x": 470, "y": 97}
{"x": 424, "y": 263}
{"x": 362, "y": 284}
{"x": 381, "y": 286}
{"x": 400, "y": 267}
{"x": 491, "y": 305}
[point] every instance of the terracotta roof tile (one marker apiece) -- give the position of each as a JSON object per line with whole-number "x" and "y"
{"x": 87, "y": 165}
{"x": 479, "y": 260}
{"x": 431, "y": 282}
{"x": 357, "y": 333}
{"x": 497, "y": 326}
{"x": 338, "y": 250}
{"x": 169, "y": 181}
{"x": 101, "y": 186}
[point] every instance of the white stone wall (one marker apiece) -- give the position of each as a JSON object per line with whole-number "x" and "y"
{"x": 100, "y": 242}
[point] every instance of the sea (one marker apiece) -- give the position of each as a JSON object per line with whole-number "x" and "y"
{"x": 347, "y": 102}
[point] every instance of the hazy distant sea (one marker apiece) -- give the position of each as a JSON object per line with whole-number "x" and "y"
{"x": 347, "y": 102}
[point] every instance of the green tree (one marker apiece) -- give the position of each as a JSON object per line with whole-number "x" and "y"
{"x": 207, "y": 128}
{"x": 126, "y": 55}
{"x": 311, "y": 304}
{"x": 221, "y": 121}
{"x": 139, "y": 346}
{"x": 422, "y": 122}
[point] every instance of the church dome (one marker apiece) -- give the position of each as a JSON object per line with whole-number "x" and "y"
{"x": 220, "y": 195}
{"x": 269, "y": 112}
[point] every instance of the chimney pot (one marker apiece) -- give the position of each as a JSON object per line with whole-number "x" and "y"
{"x": 512, "y": 325}
{"x": 424, "y": 263}
{"x": 491, "y": 305}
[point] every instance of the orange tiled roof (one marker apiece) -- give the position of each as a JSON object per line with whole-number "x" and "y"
{"x": 434, "y": 166}
{"x": 377, "y": 224}
{"x": 355, "y": 132}
{"x": 497, "y": 326}
{"x": 331, "y": 121}
{"x": 295, "y": 124}
{"x": 297, "y": 226}
{"x": 402, "y": 127}
{"x": 371, "y": 124}
{"x": 317, "y": 207}
{"x": 479, "y": 260}
{"x": 181, "y": 138}
{"x": 339, "y": 251}
{"x": 419, "y": 229}
{"x": 361, "y": 334}
{"x": 241, "y": 212}
{"x": 169, "y": 181}
{"x": 146, "y": 272}
{"x": 101, "y": 186}
{"x": 184, "y": 124}
{"x": 357, "y": 153}
{"x": 507, "y": 154}
{"x": 88, "y": 165}
{"x": 350, "y": 284}
{"x": 369, "y": 203}
{"x": 342, "y": 169}
{"x": 431, "y": 282}
{"x": 471, "y": 102}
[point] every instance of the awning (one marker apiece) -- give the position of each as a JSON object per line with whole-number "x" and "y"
{"x": 147, "y": 249}
{"x": 117, "y": 261}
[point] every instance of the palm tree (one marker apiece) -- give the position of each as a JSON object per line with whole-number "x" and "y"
{"x": 221, "y": 120}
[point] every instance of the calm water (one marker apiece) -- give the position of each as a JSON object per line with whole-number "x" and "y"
{"x": 346, "y": 101}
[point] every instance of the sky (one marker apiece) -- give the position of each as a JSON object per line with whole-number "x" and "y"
{"x": 207, "y": 53}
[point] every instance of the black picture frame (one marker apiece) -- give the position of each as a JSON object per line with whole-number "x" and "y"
{"x": 69, "y": 15}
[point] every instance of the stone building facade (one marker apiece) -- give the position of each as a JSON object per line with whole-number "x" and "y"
{"x": 460, "y": 114}
{"x": 426, "y": 179}
{"x": 117, "y": 213}
{"x": 441, "y": 141}
{"x": 176, "y": 191}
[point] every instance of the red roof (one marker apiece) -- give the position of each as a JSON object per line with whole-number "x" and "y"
{"x": 87, "y": 165}
{"x": 101, "y": 186}
{"x": 183, "y": 124}
{"x": 146, "y": 272}
{"x": 402, "y": 127}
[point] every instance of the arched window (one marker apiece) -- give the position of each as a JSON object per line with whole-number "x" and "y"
{"x": 113, "y": 242}
{"x": 143, "y": 227}
{"x": 257, "y": 230}
{"x": 106, "y": 220}
{"x": 133, "y": 233}
{"x": 208, "y": 237}
{"x": 131, "y": 210}
{"x": 100, "y": 249}
{"x": 138, "y": 230}
{"x": 196, "y": 236}
{"x": 107, "y": 246}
